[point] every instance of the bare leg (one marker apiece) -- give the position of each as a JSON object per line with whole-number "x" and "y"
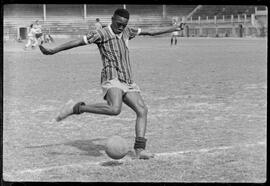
{"x": 112, "y": 107}
{"x": 35, "y": 42}
{"x": 28, "y": 43}
{"x": 135, "y": 101}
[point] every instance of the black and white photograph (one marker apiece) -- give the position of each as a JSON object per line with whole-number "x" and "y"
{"x": 151, "y": 93}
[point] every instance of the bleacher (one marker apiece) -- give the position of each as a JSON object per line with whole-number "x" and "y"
{"x": 179, "y": 10}
{"x": 94, "y": 10}
{"x": 70, "y": 19}
{"x": 219, "y": 10}
{"x": 53, "y": 11}
{"x": 33, "y": 11}
{"x": 146, "y": 10}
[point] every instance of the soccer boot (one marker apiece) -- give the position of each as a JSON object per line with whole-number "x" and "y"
{"x": 143, "y": 154}
{"x": 65, "y": 111}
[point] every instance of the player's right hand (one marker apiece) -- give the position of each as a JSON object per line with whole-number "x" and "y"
{"x": 46, "y": 51}
{"x": 181, "y": 26}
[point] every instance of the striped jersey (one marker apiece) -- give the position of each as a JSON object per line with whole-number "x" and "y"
{"x": 114, "y": 52}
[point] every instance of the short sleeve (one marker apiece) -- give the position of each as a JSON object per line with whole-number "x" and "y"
{"x": 132, "y": 32}
{"x": 92, "y": 37}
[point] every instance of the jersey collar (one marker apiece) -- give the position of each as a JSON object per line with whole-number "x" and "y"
{"x": 117, "y": 35}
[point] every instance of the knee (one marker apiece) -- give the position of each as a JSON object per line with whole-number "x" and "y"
{"x": 115, "y": 111}
{"x": 142, "y": 111}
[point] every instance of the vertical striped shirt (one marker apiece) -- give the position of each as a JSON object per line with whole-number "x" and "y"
{"x": 114, "y": 52}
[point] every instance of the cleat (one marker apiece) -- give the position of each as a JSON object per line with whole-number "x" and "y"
{"x": 143, "y": 154}
{"x": 65, "y": 111}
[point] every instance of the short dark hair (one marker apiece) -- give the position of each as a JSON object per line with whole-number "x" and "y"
{"x": 122, "y": 13}
{"x": 97, "y": 19}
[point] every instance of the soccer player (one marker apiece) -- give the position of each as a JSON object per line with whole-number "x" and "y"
{"x": 31, "y": 38}
{"x": 174, "y": 34}
{"x": 38, "y": 28}
{"x": 116, "y": 76}
{"x": 98, "y": 25}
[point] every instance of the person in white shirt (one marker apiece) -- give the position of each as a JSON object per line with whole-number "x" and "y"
{"x": 32, "y": 40}
{"x": 98, "y": 25}
{"x": 38, "y": 29}
{"x": 174, "y": 34}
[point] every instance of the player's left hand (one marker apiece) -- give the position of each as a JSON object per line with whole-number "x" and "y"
{"x": 181, "y": 26}
{"x": 46, "y": 51}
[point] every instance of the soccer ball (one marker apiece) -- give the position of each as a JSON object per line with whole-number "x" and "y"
{"x": 116, "y": 147}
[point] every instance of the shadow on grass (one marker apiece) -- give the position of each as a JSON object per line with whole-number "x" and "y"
{"x": 111, "y": 163}
{"x": 88, "y": 147}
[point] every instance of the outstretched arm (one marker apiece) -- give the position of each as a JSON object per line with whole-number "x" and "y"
{"x": 159, "y": 32}
{"x": 65, "y": 46}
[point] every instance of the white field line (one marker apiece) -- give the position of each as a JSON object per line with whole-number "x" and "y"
{"x": 157, "y": 155}
{"x": 167, "y": 154}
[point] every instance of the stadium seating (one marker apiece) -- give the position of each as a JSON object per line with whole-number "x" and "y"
{"x": 179, "y": 10}
{"x": 69, "y": 20}
{"x": 23, "y": 11}
{"x": 219, "y": 11}
{"x": 63, "y": 19}
{"x": 94, "y": 10}
{"x": 146, "y": 10}
{"x": 56, "y": 11}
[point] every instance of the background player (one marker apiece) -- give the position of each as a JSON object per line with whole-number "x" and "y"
{"x": 116, "y": 77}
{"x": 38, "y": 28}
{"x": 174, "y": 34}
{"x": 31, "y": 38}
{"x": 98, "y": 25}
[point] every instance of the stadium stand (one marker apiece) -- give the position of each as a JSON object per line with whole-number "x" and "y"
{"x": 227, "y": 10}
{"x": 62, "y": 11}
{"x": 146, "y": 10}
{"x": 71, "y": 19}
{"x": 102, "y": 10}
{"x": 23, "y": 11}
{"x": 179, "y": 10}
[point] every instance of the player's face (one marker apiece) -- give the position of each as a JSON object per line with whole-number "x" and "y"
{"x": 118, "y": 24}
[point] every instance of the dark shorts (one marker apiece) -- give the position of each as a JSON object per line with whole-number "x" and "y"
{"x": 39, "y": 35}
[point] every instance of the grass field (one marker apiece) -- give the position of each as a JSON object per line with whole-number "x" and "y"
{"x": 207, "y": 101}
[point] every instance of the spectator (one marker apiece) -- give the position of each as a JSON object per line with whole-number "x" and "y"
{"x": 98, "y": 25}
